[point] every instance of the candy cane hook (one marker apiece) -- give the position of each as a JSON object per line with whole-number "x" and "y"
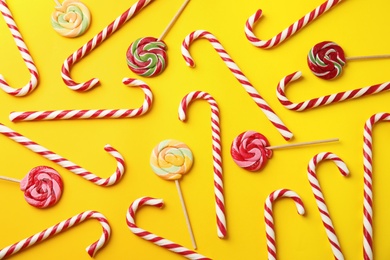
{"x": 324, "y": 100}
{"x": 61, "y": 227}
{"x": 92, "y": 113}
{"x": 217, "y": 155}
{"x": 267, "y": 110}
{"x": 32, "y": 84}
{"x": 367, "y": 163}
{"x": 95, "y": 42}
{"x": 65, "y": 163}
{"x": 315, "y": 185}
{"x": 289, "y": 31}
{"x": 269, "y": 219}
{"x": 162, "y": 242}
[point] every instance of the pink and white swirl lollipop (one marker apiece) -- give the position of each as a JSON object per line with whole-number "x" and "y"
{"x": 147, "y": 56}
{"x": 251, "y": 150}
{"x": 42, "y": 186}
{"x": 327, "y": 59}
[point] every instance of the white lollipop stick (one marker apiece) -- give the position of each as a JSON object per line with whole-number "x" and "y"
{"x": 173, "y": 20}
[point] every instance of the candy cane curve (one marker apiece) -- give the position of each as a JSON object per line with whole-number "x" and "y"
{"x": 61, "y": 227}
{"x": 324, "y": 100}
{"x": 95, "y": 42}
{"x": 238, "y": 74}
{"x": 65, "y": 163}
{"x": 159, "y": 241}
{"x": 368, "y": 198}
{"x": 269, "y": 219}
{"x": 289, "y": 31}
{"x": 217, "y": 155}
{"x": 32, "y": 84}
{"x": 91, "y": 113}
{"x": 318, "y": 195}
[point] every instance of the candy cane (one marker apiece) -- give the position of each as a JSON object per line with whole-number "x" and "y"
{"x": 60, "y": 227}
{"x": 95, "y": 42}
{"x": 92, "y": 113}
{"x": 275, "y": 120}
{"x": 324, "y": 100}
{"x": 367, "y": 163}
{"x": 31, "y": 85}
{"x": 65, "y": 163}
{"x": 162, "y": 242}
{"x": 269, "y": 219}
{"x": 289, "y": 31}
{"x": 315, "y": 185}
{"x": 217, "y": 156}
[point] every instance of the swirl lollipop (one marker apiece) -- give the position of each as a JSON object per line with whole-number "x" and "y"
{"x": 170, "y": 160}
{"x": 251, "y": 150}
{"x": 42, "y": 186}
{"x": 71, "y": 18}
{"x": 147, "y": 56}
{"x": 326, "y": 59}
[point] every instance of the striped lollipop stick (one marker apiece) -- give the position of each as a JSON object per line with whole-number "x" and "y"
{"x": 289, "y": 31}
{"x": 65, "y": 163}
{"x": 170, "y": 160}
{"x": 324, "y": 100}
{"x": 251, "y": 150}
{"x": 32, "y": 84}
{"x": 90, "y": 113}
{"x": 157, "y": 240}
{"x": 61, "y": 227}
{"x": 269, "y": 218}
{"x": 368, "y": 191}
{"x": 95, "y": 42}
{"x": 238, "y": 74}
{"x": 147, "y": 56}
{"x": 326, "y": 59}
{"x": 217, "y": 155}
{"x": 323, "y": 209}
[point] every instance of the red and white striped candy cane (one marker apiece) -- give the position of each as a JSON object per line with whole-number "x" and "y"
{"x": 162, "y": 242}
{"x": 90, "y": 113}
{"x": 65, "y": 163}
{"x": 31, "y": 85}
{"x": 217, "y": 155}
{"x": 367, "y": 163}
{"x": 289, "y": 31}
{"x": 324, "y": 100}
{"x": 95, "y": 42}
{"x": 315, "y": 185}
{"x": 269, "y": 219}
{"x": 61, "y": 227}
{"x": 275, "y": 120}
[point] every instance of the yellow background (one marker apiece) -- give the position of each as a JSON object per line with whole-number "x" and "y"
{"x": 359, "y": 26}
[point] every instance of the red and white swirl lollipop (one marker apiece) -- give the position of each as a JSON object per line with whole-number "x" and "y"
{"x": 327, "y": 59}
{"x": 251, "y": 150}
{"x": 42, "y": 186}
{"x": 147, "y": 56}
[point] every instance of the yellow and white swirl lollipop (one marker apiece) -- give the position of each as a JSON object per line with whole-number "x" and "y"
{"x": 71, "y": 18}
{"x": 170, "y": 160}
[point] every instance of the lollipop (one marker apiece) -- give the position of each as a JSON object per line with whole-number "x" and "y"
{"x": 42, "y": 186}
{"x": 71, "y": 18}
{"x": 147, "y": 56}
{"x": 170, "y": 160}
{"x": 326, "y": 59}
{"x": 251, "y": 150}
